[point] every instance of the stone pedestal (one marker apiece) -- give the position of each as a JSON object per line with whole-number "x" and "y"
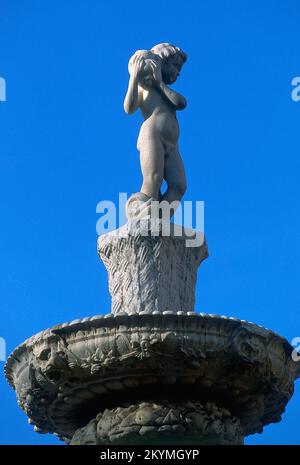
{"x": 153, "y": 371}
{"x": 149, "y": 271}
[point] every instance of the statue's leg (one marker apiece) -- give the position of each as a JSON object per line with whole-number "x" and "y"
{"x": 174, "y": 175}
{"x": 152, "y": 164}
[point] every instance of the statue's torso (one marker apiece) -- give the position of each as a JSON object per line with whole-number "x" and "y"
{"x": 159, "y": 120}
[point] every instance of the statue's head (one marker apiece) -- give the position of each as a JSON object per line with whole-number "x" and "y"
{"x": 173, "y": 58}
{"x": 148, "y": 59}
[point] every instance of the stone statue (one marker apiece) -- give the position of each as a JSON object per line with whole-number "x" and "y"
{"x": 153, "y": 371}
{"x": 150, "y": 72}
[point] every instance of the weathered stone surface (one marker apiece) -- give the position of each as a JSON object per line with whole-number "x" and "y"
{"x": 162, "y": 422}
{"x": 148, "y": 273}
{"x": 65, "y": 375}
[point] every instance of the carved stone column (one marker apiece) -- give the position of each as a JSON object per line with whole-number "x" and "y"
{"x": 150, "y": 269}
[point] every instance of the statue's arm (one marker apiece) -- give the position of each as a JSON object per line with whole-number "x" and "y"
{"x": 132, "y": 98}
{"x": 177, "y": 100}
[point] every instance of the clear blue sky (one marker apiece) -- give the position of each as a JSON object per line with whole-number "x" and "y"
{"x": 66, "y": 144}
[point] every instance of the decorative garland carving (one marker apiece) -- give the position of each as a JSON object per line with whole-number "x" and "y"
{"x": 60, "y": 370}
{"x": 151, "y": 421}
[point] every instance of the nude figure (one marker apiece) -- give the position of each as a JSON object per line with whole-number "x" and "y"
{"x": 150, "y": 72}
